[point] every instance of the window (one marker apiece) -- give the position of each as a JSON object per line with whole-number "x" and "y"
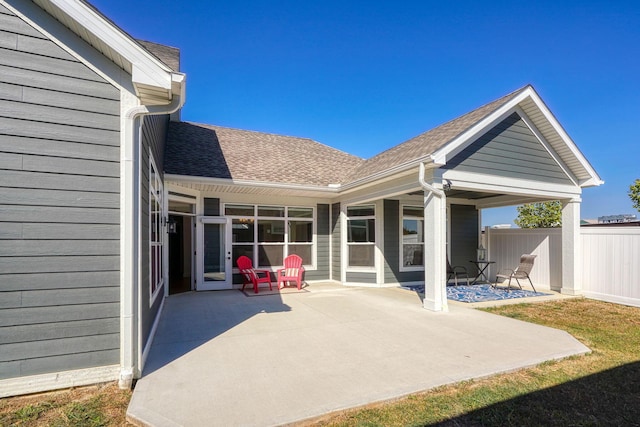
{"x": 412, "y": 237}
{"x": 361, "y": 235}
{"x": 267, "y": 234}
{"x": 156, "y": 277}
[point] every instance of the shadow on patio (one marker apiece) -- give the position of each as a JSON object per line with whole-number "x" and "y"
{"x": 191, "y": 319}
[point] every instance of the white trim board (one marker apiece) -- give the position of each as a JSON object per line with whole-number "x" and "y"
{"x": 58, "y": 380}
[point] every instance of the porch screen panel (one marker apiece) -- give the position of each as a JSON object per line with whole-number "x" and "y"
{"x": 412, "y": 236}
{"x": 267, "y": 234}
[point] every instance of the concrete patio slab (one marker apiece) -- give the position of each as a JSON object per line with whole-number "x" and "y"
{"x": 225, "y": 359}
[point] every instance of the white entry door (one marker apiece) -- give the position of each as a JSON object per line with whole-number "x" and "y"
{"x": 215, "y": 255}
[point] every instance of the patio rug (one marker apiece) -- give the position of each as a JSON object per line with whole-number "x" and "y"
{"x": 265, "y": 291}
{"x": 480, "y": 293}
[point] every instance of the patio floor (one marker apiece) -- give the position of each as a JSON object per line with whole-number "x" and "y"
{"x": 223, "y": 358}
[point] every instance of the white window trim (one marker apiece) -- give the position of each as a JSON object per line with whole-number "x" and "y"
{"x": 374, "y": 244}
{"x": 286, "y": 243}
{"x": 404, "y": 268}
{"x": 156, "y": 185}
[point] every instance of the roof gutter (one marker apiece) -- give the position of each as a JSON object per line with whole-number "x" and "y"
{"x": 131, "y": 354}
{"x": 428, "y": 187}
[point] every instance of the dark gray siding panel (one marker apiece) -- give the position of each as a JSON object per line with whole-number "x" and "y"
{"x": 154, "y": 133}
{"x": 511, "y": 150}
{"x": 335, "y": 242}
{"x": 59, "y": 208}
{"x": 358, "y": 277}
{"x": 322, "y": 255}
{"x": 392, "y": 273}
{"x": 464, "y": 236}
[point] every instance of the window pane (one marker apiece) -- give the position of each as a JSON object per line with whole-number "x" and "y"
{"x": 413, "y": 255}
{"x": 303, "y": 251}
{"x": 361, "y": 230}
{"x": 214, "y": 252}
{"x": 365, "y": 210}
{"x": 413, "y": 211}
{"x": 242, "y": 230}
{"x": 240, "y": 210}
{"x": 270, "y": 230}
{"x": 300, "y": 212}
{"x": 300, "y": 231}
{"x": 412, "y": 231}
{"x": 271, "y": 211}
{"x": 270, "y": 255}
{"x": 240, "y": 250}
{"x": 361, "y": 255}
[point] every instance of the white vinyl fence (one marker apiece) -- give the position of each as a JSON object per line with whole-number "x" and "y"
{"x": 610, "y": 259}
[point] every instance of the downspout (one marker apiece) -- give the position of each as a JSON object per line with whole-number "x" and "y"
{"x": 130, "y": 224}
{"x": 427, "y": 186}
{"x": 442, "y": 304}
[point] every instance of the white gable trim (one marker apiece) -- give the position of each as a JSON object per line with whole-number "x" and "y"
{"x": 448, "y": 151}
{"x": 154, "y": 81}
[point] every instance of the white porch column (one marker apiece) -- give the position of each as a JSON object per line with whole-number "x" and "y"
{"x": 435, "y": 270}
{"x": 571, "y": 279}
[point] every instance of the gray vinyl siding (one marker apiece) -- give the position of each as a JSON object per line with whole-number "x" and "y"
{"x": 359, "y": 277}
{"x": 464, "y": 236}
{"x": 510, "y": 150}
{"x": 335, "y": 242}
{"x": 322, "y": 248}
{"x": 59, "y": 208}
{"x": 392, "y": 273}
{"x": 154, "y": 132}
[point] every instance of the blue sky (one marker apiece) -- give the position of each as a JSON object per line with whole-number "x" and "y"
{"x": 363, "y": 76}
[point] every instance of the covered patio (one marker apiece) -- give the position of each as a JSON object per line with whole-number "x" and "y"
{"x": 224, "y": 358}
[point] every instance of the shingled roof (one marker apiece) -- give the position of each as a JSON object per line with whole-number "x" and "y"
{"x": 168, "y": 55}
{"x": 428, "y": 142}
{"x": 218, "y": 152}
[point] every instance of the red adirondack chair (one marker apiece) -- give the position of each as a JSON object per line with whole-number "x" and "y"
{"x": 292, "y": 271}
{"x": 252, "y": 276}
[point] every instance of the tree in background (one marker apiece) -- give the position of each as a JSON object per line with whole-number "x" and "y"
{"x": 540, "y": 215}
{"x": 634, "y": 194}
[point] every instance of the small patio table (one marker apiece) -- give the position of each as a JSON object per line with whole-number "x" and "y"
{"x": 482, "y": 267}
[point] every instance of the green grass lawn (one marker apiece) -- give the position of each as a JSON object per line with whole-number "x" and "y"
{"x": 600, "y": 388}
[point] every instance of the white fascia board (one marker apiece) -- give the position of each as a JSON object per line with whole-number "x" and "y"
{"x": 145, "y": 68}
{"x": 513, "y": 186}
{"x": 458, "y": 144}
{"x": 595, "y": 178}
{"x": 387, "y": 175}
{"x": 246, "y": 183}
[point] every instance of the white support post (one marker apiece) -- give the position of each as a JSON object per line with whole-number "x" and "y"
{"x": 571, "y": 280}
{"x": 435, "y": 271}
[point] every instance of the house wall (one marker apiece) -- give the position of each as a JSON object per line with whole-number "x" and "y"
{"x": 336, "y": 244}
{"x": 392, "y": 273}
{"x": 154, "y": 133}
{"x": 510, "y": 150}
{"x": 59, "y": 208}
{"x": 323, "y": 250}
{"x": 463, "y": 237}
